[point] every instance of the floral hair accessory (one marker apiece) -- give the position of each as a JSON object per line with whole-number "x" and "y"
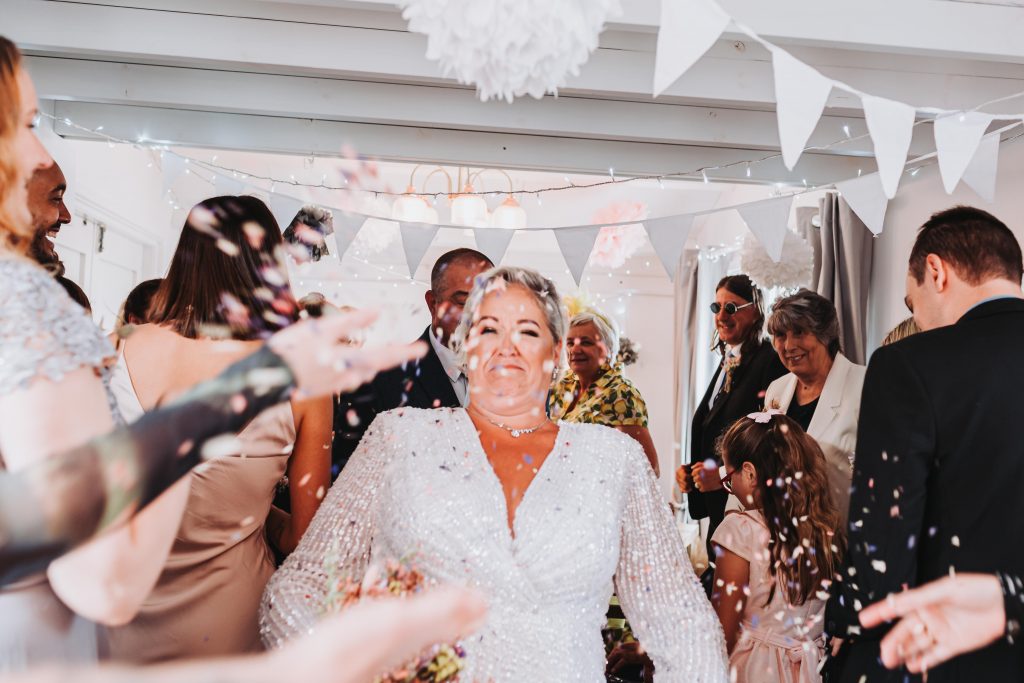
{"x": 764, "y": 417}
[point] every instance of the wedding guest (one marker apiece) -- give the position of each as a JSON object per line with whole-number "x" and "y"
{"x": 46, "y": 203}
{"x": 135, "y": 310}
{"x": 76, "y": 293}
{"x": 541, "y": 517}
{"x": 224, "y": 291}
{"x": 749, "y": 365}
{"x": 436, "y": 381}
{"x": 778, "y": 554}
{"x": 308, "y": 231}
{"x": 822, "y": 391}
{"x": 901, "y": 331}
{"x": 54, "y": 366}
{"x": 936, "y": 484}
{"x": 594, "y": 390}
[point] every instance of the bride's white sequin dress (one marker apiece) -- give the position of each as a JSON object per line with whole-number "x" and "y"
{"x": 420, "y": 484}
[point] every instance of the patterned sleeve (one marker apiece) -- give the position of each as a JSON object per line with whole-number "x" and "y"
{"x": 335, "y": 546}
{"x": 43, "y": 333}
{"x": 628, "y": 405}
{"x": 660, "y": 595}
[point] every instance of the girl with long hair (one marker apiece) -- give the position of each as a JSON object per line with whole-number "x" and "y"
{"x": 776, "y": 557}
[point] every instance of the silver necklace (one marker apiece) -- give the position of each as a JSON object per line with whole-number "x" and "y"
{"x": 516, "y": 433}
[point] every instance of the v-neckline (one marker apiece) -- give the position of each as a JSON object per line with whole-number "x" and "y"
{"x": 510, "y": 530}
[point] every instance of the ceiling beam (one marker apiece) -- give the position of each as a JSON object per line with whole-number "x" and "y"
{"x": 417, "y": 144}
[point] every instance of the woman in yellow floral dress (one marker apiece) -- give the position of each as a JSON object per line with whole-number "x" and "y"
{"x": 594, "y": 389}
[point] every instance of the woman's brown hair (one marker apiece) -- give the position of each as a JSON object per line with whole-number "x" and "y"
{"x": 807, "y": 542}
{"x": 227, "y": 276}
{"x": 13, "y": 235}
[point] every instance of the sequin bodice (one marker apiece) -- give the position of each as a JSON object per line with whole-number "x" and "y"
{"x": 420, "y": 486}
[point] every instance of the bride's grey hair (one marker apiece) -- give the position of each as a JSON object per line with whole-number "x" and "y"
{"x": 543, "y": 291}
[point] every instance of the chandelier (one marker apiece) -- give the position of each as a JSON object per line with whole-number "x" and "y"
{"x": 467, "y": 207}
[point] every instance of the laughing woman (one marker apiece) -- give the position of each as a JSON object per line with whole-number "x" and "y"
{"x": 594, "y": 389}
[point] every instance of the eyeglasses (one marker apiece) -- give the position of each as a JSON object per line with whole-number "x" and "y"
{"x": 730, "y": 308}
{"x": 727, "y": 480}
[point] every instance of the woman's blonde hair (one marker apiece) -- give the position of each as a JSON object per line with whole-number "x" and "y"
{"x": 13, "y": 234}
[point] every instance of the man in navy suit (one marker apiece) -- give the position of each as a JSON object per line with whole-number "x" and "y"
{"x": 436, "y": 380}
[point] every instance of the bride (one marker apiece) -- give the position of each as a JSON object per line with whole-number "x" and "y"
{"x": 540, "y": 517}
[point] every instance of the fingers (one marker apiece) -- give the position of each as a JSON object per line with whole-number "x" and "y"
{"x": 909, "y": 639}
{"x": 341, "y": 326}
{"x": 899, "y": 604}
{"x": 368, "y": 362}
{"x": 391, "y": 631}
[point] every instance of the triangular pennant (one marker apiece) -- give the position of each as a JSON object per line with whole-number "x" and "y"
{"x": 576, "y": 245}
{"x": 346, "y": 229}
{"x": 173, "y": 166}
{"x": 956, "y": 139}
{"x": 668, "y": 236}
{"x": 226, "y": 185}
{"x": 769, "y": 221}
{"x": 416, "y": 239}
{"x": 800, "y": 96}
{"x": 980, "y": 175}
{"x": 867, "y": 199}
{"x": 688, "y": 29}
{"x": 891, "y": 125}
{"x": 493, "y": 242}
{"x": 285, "y": 209}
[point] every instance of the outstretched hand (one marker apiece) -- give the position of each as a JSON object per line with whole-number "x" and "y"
{"x": 321, "y": 357}
{"x": 939, "y": 620}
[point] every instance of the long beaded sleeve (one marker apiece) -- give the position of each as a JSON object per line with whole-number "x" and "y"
{"x": 336, "y": 544}
{"x": 660, "y": 595}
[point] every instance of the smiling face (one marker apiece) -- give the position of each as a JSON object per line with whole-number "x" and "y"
{"x": 734, "y": 328}
{"x": 586, "y": 350}
{"x": 447, "y": 301}
{"x": 802, "y": 353}
{"x": 46, "y": 203}
{"x": 510, "y": 352}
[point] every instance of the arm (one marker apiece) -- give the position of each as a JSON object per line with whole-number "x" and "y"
{"x": 336, "y": 545}
{"x": 659, "y": 592}
{"x": 309, "y": 472}
{"x": 895, "y": 447}
{"x": 732, "y": 576}
{"x": 352, "y": 647}
{"x": 643, "y": 436}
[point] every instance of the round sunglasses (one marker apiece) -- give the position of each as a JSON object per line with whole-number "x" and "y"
{"x": 730, "y": 308}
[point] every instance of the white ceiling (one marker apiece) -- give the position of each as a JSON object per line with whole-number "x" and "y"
{"x": 307, "y": 76}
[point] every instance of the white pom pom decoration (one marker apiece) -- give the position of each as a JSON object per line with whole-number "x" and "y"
{"x": 791, "y": 273}
{"x": 510, "y": 48}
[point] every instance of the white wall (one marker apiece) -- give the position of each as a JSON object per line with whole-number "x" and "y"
{"x": 919, "y": 197}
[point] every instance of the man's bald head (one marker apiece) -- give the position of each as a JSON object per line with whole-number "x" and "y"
{"x": 46, "y": 191}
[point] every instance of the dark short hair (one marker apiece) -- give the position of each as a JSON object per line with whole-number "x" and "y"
{"x": 460, "y": 255}
{"x": 807, "y": 311}
{"x": 742, "y": 286}
{"x": 76, "y": 293}
{"x": 138, "y": 301}
{"x": 975, "y": 243}
{"x": 227, "y": 272}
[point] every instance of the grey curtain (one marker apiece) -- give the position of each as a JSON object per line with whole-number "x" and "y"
{"x": 687, "y": 319}
{"x": 843, "y": 248}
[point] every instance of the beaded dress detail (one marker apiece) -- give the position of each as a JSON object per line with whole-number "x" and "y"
{"x": 419, "y": 485}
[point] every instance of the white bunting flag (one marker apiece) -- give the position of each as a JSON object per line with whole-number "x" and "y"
{"x": 769, "y": 221}
{"x": 891, "y": 125}
{"x": 980, "y": 175}
{"x": 668, "y": 236}
{"x": 688, "y": 29}
{"x": 285, "y": 209}
{"x": 416, "y": 239}
{"x": 173, "y": 167}
{"x": 346, "y": 229}
{"x": 867, "y": 199}
{"x": 493, "y": 242}
{"x": 800, "y": 96}
{"x": 956, "y": 139}
{"x": 226, "y": 185}
{"x": 576, "y": 245}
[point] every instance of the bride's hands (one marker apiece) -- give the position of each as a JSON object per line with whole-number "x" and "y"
{"x": 320, "y": 355}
